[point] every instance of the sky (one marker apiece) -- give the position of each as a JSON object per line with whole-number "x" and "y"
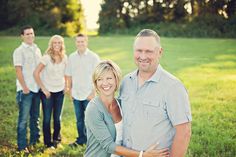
{"x": 91, "y": 11}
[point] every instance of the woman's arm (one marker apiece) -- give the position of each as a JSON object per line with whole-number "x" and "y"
{"x": 38, "y": 80}
{"x": 151, "y": 152}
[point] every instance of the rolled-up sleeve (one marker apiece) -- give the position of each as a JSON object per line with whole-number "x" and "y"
{"x": 17, "y": 58}
{"x": 178, "y": 105}
{"x": 95, "y": 122}
{"x": 68, "y": 67}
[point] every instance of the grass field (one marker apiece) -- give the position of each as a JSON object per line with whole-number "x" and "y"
{"x": 207, "y": 67}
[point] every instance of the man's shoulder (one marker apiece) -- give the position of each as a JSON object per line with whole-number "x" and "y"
{"x": 19, "y": 50}
{"x": 92, "y": 54}
{"x": 130, "y": 75}
{"x": 72, "y": 54}
{"x": 169, "y": 77}
{"x": 170, "y": 80}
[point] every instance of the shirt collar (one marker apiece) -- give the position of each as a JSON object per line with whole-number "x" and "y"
{"x": 155, "y": 77}
{"x": 27, "y": 45}
{"x": 85, "y": 53}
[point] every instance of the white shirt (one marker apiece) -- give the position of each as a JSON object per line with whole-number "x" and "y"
{"x": 80, "y": 67}
{"x": 27, "y": 56}
{"x": 53, "y": 74}
{"x": 119, "y": 131}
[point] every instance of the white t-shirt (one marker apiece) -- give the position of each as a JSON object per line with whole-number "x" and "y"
{"x": 53, "y": 74}
{"x": 119, "y": 132}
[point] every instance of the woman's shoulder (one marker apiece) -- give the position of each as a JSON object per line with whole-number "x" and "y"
{"x": 96, "y": 105}
{"x": 46, "y": 58}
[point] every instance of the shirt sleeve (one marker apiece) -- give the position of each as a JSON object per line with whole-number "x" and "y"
{"x": 178, "y": 106}
{"x": 39, "y": 52}
{"x": 96, "y": 61}
{"x": 68, "y": 71}
{"x": 17, "y": 58}
{"x": 95, "y": 122}
{"x": 45, "y": 59}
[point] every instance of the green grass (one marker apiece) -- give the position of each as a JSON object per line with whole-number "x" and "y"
{"x": 207, "y": 67}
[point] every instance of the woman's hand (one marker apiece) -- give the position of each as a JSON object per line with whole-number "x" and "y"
{"x": 46, "y": 93}
{"x": 153, "y": 152}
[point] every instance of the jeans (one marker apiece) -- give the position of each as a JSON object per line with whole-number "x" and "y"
{"x": 51, "y": 105}
{"x": 80, "y": 106}
{"x": 29, "y": 105}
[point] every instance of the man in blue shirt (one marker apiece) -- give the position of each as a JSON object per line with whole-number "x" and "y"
{"x": 155, "y": 104}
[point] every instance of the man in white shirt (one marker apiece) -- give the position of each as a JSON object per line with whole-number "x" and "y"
{"x": 79, "y": 70}
{"x": 25, "y": 58}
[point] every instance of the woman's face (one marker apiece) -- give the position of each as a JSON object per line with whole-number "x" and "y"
{"x": 57, "y": 45}
{"x": 106, "y": 84}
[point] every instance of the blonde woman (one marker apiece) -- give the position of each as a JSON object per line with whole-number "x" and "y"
{"x": 103, "y": 118}
{"x": 52, "y": 84}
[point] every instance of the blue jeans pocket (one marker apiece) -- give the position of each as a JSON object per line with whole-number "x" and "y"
{"x": 19, "y": 97}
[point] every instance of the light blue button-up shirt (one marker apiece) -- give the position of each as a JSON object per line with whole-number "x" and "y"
{"x": 151, "y": 111}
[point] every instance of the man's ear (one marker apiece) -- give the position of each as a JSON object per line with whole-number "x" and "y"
{"x": 161, "y": 51}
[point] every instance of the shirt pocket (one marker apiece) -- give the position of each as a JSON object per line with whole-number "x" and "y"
{"x": 152, "y": 110}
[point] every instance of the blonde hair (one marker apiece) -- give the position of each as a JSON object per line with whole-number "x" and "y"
{"x": 103, "y": 67}
{"x": 50, "y": 50}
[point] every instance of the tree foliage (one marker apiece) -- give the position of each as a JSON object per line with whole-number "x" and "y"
{"x": 58, "y": 16}
{"x": 119, "y": 14}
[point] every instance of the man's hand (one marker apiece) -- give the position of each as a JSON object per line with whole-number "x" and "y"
{"x": 91, "y": 95}
{"x": 26, "y": 90}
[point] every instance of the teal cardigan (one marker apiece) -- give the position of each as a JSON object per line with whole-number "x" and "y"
{"x": 101, "y": 131}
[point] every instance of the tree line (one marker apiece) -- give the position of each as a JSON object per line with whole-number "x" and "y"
{"x": 200, "y": 18}
{"x": 47, "y": 16}
{"x": 213, "y": 15}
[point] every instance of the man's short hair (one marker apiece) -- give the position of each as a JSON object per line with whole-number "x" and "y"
{"x": 82, "y": 35}
{"x": 22, "y": 30}
{"x": 149, "y": 33}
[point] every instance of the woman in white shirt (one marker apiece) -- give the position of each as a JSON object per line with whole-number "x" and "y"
{"x": 49, "y": 75}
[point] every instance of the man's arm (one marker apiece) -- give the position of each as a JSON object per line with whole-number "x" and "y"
{"x": 91, "y": 95}
{"x": 38, "y": 80}
{"x": 68, "y": 85}
{"x": 181, "y": 140}
{"x": 21, "y": 79}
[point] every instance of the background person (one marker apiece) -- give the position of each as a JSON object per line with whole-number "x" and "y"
{"x": 52, "y": 84}
{"x": 25, "y": 59}
{"x": 79, "y": 71}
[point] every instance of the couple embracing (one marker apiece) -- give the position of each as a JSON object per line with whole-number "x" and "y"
{"x": 152, "y": 117}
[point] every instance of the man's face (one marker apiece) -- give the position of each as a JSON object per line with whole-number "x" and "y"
{"x": 28, "y": 36}
{"x": 147, "y": 54}
{"x": 81, "y": 44}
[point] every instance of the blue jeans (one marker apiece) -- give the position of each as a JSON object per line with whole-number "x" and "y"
{"x": 53, "y": 104}
{"x": 80, "y": 106}
{"x": 29, "y": 105}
